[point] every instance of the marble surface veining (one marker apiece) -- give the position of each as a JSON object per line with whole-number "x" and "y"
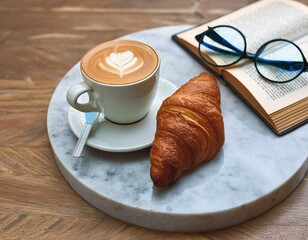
{"x": 255, "y": 170}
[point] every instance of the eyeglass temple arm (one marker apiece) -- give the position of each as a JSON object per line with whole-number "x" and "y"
{"x": 282, "y": 64}
{"x": 219, "y": 39}
{"x": 286, "y": 65}
{"x": 306, "y": 66}
{"x": 217, "y": 49}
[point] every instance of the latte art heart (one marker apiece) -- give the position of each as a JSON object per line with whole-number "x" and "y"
{"x": 121, "y": 63}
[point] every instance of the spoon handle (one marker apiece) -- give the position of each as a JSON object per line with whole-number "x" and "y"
{"x": 82, "y": 140}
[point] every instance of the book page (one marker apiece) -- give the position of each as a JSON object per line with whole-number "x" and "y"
{"x": 260, "y": 22}
{"x": 277, "y": 19}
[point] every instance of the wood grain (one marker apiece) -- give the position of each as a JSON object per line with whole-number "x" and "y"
{"x": 39, "y": 42}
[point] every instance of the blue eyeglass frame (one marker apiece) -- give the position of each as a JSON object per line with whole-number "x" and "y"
{"x": 286, "y": 65}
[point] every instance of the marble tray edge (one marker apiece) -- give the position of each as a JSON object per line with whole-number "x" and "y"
{"x": 203, "y": 222}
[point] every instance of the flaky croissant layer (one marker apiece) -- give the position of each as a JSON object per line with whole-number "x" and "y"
{"x": 190, "y": 130}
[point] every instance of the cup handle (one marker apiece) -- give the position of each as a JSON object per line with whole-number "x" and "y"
{"x": 75, "y": 92}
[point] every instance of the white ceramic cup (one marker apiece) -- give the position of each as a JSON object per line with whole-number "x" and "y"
{"x": 119, "y": 103}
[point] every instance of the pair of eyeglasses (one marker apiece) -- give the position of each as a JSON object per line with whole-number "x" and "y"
{"x": 278, "y": 60}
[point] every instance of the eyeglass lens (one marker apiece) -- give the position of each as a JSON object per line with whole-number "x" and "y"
{"x": 279, "y": 61}
{"x": 224, "y": 44}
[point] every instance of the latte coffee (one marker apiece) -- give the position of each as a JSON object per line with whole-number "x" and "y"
{"x": 120, "y": 78}
{"x": 120, "y": 62}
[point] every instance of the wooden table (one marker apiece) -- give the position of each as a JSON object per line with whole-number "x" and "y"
{"x": 39, "y": 42}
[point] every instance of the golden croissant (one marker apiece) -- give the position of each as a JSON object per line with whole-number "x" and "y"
{"x": 190, "y": 130}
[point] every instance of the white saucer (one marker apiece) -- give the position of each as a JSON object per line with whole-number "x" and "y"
{"x": 111, "y": 137}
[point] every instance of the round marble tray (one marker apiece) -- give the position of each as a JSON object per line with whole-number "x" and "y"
{"x": 254, "y": 171}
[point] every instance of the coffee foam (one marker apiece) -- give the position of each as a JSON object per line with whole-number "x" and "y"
{"x": 119, "y": 62}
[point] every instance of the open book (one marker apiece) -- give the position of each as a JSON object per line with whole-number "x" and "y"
{"x": 282, "y": 106}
